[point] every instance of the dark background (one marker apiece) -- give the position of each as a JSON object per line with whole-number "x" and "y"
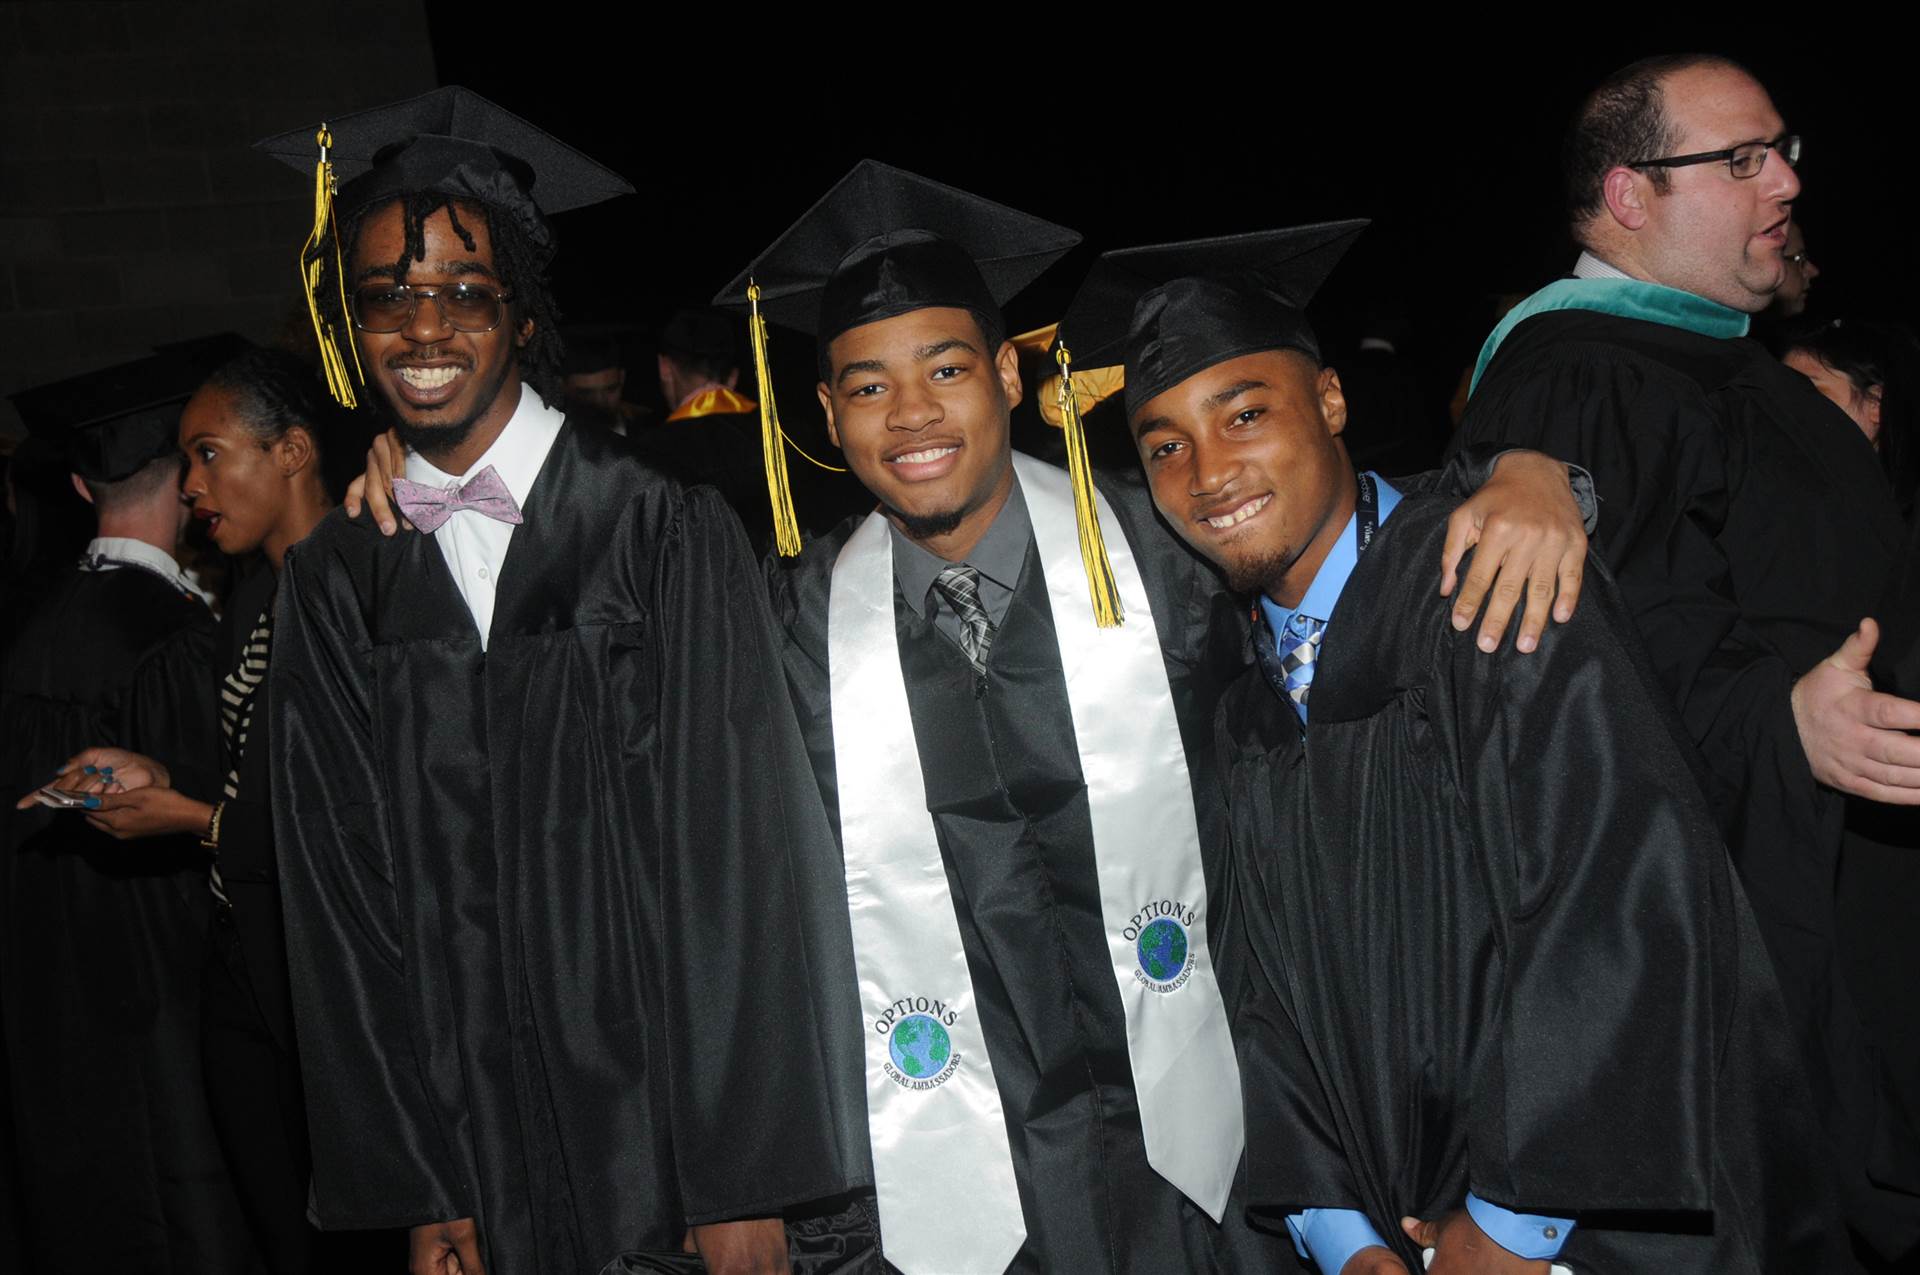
{"x": 133, "y": 212}
{"x": 1449, "y": 145}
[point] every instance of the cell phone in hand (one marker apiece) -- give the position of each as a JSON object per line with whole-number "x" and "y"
{"x": 60, "y": 799}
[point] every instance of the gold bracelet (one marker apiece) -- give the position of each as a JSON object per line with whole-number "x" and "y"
{"x": 212, "y": 840}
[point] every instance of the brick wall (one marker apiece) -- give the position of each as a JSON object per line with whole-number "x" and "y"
{"x": 132, "y": 209}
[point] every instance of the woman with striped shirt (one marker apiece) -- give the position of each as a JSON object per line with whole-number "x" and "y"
{"x": 252, "y": 437}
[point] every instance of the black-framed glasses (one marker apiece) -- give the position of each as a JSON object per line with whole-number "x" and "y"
{"x": 1743, "y": 161}
{"x": 464, "y": 307}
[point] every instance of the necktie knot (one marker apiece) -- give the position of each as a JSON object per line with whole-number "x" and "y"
{"x": 959, "y": 584}
{"x": 428, "y": 508}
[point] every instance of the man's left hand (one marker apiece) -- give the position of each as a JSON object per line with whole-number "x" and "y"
{"x": 1460, "y": 1247}
{"x": 1532, "y": 543}
{"x": 755, "y": 1246}
{"x": 148, "y": 812}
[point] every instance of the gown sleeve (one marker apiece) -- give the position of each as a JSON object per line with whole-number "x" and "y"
{"x": 763, "y": 1033}
{"x": 1607, "y": 884}
{"x": 380, "y": 1154}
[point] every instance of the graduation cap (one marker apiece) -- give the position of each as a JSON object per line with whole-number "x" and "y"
{"x": 452, "y": 142}
{"x": 1170, "y": 310}
{"x": 111, "y": 424}
{"x": 885, "y": 242}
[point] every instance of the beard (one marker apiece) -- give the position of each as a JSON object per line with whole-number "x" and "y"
{"x": 434, "y": 440}
{"x": 1259, "y": 574}
{"x": 926, "y": 526}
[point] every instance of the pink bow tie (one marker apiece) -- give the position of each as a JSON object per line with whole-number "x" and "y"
{"x": 428, "y": 507}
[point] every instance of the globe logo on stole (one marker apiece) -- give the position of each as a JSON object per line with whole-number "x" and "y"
{"x": 920, "y": 1046}
{"x": 1161, "y": 934}
{"x": 1163, "y": 950}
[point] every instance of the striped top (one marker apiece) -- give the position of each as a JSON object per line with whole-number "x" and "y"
{"x": 236, "y": 715}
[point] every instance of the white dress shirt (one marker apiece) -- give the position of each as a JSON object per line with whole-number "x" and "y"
{"x": 1591, "y": 267}
{"x": 108, "y": 553}
{"x": 473, "y": 544}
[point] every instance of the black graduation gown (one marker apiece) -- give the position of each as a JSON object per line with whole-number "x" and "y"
{"x": 1749, "y": 528}
{"x": 102, "y": 942}
{"x": 1009, "y": 808}
{"x": 1486, "y": 894}
{"x": 722, "y": 450}
{"x": 556, "y": 910}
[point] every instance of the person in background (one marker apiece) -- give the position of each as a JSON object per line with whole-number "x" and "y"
{"x": 255, "y": 437}
{"x": 1748, "y": 530}
{"x": 102, "y": 946}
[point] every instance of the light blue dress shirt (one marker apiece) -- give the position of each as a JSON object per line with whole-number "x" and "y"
{"x": 1330, "y": 1237}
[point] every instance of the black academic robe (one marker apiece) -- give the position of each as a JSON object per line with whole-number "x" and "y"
{"x": 102, "y": 942}
{"x": 722, "y": 450}
{"x": 556, "y": 910}
{"x": 1487, "y": 900}
{"x": 1009, "y": 807}
{"x": 1749, "y": 528}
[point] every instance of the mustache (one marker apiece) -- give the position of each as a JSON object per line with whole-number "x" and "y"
{"x": 431, "y": 355}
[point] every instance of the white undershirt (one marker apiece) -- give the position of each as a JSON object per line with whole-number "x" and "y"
{"x": 473, "y": 544}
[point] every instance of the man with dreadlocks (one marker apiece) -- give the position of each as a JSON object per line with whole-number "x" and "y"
{"x": 555, "y": 934}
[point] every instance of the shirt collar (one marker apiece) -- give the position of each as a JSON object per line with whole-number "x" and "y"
{"x": 1591, "y": 267}
{"x": 104, "y": 553}
{"x": 1324, "y": 593}
{"x": 999, "y": 556}
{"x": 516, "y": 455}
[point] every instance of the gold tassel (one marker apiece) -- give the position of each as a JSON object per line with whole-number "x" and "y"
{"x": 786, "y": 527}
{"x": 1101, "y": 585}
{"x": 313, "y": 260}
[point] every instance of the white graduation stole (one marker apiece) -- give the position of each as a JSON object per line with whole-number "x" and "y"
{"x": 943, "y": 1173}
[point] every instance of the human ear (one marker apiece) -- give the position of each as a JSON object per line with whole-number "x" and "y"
{"x": 1006, "y": 362}
{"x": 1626, "y": 195}
{"x": 80, "y": 485}
{"x": 826, "y": 405}
{"x": 1333, "y": 401}
{"x": 523, "y": 334}
{"x": 293, "y": 451}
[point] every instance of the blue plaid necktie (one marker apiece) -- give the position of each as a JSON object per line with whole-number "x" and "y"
{"x": 1298, "y": 655}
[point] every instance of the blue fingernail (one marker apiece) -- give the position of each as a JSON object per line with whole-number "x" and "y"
{"x": 90, "y": 770}
{"x": 93, "y": 803}
{"x": 106, "y": 770}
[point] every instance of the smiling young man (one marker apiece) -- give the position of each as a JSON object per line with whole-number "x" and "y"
{"x": 532, "y": 770}
{"x": 1028, "y": 812}
{"x": 1500, "y": 984}
{"x": 1750, "y": 531}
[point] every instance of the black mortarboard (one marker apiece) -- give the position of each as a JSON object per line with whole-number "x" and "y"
{"x": 1171, "y": 310}
{"x": 112, "y": 423}
{"x": 454, "y": 142}
{"x": 451, "y": 141}
{"x": 884, "y": 242}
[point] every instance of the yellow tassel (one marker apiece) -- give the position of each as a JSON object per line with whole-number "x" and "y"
{"x": 313, "y": 260}
{"x": 1105, "y": 591}
{"x": 786, "y": 527}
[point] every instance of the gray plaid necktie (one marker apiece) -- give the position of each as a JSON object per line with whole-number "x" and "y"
{"x": 959, "y": 584}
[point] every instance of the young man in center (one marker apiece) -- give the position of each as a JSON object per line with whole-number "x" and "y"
{"x": 1030, "y": 820}
{"x": 1504, "y": 997}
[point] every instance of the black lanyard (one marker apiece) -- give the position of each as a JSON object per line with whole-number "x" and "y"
{"x": 1366, "y": 513}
